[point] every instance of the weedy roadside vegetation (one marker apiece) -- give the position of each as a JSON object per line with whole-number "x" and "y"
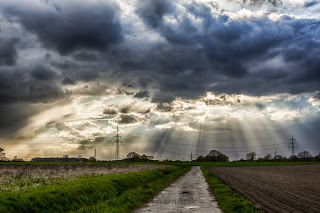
{"x": 135, "y": 197}
{"x": 15, "y": 177}
{"x": 60, "y": 194}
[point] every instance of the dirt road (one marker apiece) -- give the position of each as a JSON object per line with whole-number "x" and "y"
{"x": 188, "y": 194}
{"x": 276, "y": 188}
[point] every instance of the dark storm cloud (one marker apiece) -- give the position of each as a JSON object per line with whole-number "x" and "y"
{"x": 42, "y": 73}
{"x": 164, "y": 107}
{"x": 8, "y": 52}
{"x": 216, "y": 54}
{"x": 311, "y": 3}
{"x": 13, "y": 117}
{"x": 317, "y": 96}
{"x": 142, "y": 94}
{"x": 152, "y": 11}
{"x": 70, "y": 26}
{"x": 68, "y": 81}
{"x": 110, "y": 111}
{"x": 126, "y": 109}
{"x": 261, "y": 2}
{"x": 67, "y": 27}
{"x": 135, "y": 107}
{"x": 20, "y": 89}
{"x": 30, "y": 84}
{"x": 159, "y": 97}
{"x": 197, "y": 52}
{"x": 85, "y": 56}
{"x": 128, "y": 119}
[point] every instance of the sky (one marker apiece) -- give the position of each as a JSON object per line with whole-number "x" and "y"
{"x": 177, "y": 77}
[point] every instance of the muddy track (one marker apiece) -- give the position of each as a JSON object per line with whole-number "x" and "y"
{"x": 276, "y": 188}
{"x": 190, "y": 193}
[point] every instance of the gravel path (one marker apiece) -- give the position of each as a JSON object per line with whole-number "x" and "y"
{"x": 188, "y": 194}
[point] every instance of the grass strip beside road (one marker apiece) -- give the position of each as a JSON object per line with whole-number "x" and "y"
{"x": 136, "y": 197}
{"x": 86, "y": 191}
{"x": 228, "y": 200}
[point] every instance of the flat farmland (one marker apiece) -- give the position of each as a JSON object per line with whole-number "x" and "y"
{"x": 276, "y": 188}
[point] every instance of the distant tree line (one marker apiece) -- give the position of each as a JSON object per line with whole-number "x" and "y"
{"x": 303, "y": 156}
{"x": 135, "y": 157}
{"x": 213, "y": 156}
{"x": 217, "y": 156}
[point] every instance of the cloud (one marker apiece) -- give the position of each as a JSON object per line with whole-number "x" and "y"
{"x": 30, "y": 84}
{"x": 137, "y": 107}
{"x": 128, "y": 119}
{"x": 275, "y": 3}
{"x": 110, "y": 111}
{"x": 315, "y": 100}
{"x": 142, "y": 94}
{"x": 85, "y": 56}
{"x": 14, "y": 116}
{"x": 177, "y": 125}
{"x": 166, "y": 107}
{"x": 8, "y": 52}
{"x": 195, "y": 50}
{"x": 68, "y": 81}
{"x": 311, "y": 3}
{"x": 152, "y": 11}
{"x": 42, "y": 73}
{"x": 155, "y": 52}
{"x": 69, "y": 26}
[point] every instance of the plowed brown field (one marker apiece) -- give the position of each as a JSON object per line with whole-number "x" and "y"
{"x": 276, "y": 188}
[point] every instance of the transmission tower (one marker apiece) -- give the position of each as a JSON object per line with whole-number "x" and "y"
{"x": 191, "y": 156}
{"x": 117, "y": 141}
{"x": 95, "y": 153}
{"x": 293, "y": 144}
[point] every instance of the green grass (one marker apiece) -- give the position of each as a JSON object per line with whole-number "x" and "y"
{"x": 229, "y": 201}
{"x": 87, "y": 190}
{"x": 136, "y": 197}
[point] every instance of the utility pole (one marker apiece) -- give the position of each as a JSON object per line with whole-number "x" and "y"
{"x": 95, "y": 153}
{"x": 117, "y": 141}
{"x": 293, "y": 144}
{"x": 191, "y": 156}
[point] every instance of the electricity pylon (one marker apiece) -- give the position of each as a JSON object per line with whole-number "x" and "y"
{"x": 117, "y": 141}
